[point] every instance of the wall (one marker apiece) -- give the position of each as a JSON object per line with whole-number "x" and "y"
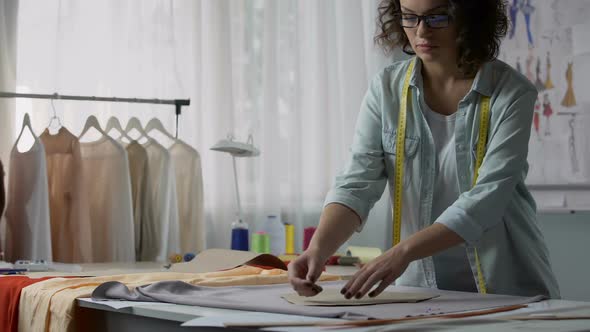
{"x": 566, "y": 235}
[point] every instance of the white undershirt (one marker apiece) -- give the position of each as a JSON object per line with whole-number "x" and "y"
{"x": 451, "y": 266}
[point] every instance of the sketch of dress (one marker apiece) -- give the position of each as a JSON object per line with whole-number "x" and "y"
{"x": 536, "y": 117}
{"x": 538, "y": 83}
{"x": 569, "y": 100}
{"x": 527, "y": 9}
{"x": 547, "y": 112}
{"x": 529, "y": 63}
{"x": 548, "y": 82}
{"x": 572, "y": 145}
{"x": 513, "y": 9}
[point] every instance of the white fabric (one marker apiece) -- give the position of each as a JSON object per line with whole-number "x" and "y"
{"x": 28, "y": 233}
{"x": 108, "y": 188}
{"x": 292, "y": 73}
{"x": 189, "y": 189}
{"x": 451, "y": 266}
{"x": 160, "y": 233}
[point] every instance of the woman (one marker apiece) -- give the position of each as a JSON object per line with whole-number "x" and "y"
{"x": 460, "y": 230}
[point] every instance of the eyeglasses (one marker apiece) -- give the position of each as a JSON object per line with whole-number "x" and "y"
{"x": 434, "y": 21}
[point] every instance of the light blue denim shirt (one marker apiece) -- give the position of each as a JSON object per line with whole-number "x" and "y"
{"x": 497, "y": 215}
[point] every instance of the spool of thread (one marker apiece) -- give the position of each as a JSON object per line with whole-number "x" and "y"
{"x": 307, "y": 235}
{"x": 365, "y": 254}
{"x": 289, "y": 239}
{"x": 189, "y": 256}
{"x": 239, "y": 239}
{"x": 175, "y": 258}
{"x": 261, "y": 243}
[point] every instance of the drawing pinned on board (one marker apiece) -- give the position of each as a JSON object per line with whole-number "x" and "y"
{"x": 529, "y": 63}
{"x": 548, "y": 82}
{"x": 538, "y": 83}
{"x": 536, "y": 118}
{"x": 527, "y": 10}
{"x": 572, "y": 145}
{"x": 547, "y": 112}
{"x": 569, "y": 100}
{"x": 513, "y": 9}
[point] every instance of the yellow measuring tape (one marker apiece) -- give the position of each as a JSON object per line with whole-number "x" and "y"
{"x": 400, "y": 156}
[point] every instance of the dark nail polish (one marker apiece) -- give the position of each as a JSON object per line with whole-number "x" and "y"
{"x": 348, "y": 296}
{"x": 372, "y": 294}
{"x": 343, "y": 291}
{"x": 358, "y": 295}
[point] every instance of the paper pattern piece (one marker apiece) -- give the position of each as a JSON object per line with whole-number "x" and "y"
{"x": 212, "y": 260}
{"x": 332, "y": 297}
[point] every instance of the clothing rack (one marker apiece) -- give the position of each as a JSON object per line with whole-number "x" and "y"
{"x": 178, "y": 103}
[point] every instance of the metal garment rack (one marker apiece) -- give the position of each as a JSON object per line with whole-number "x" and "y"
{"x": 178, "y": 103}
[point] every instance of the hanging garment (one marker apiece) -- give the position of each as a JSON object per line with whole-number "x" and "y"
{"x": 159, "y": 232}
{"x": 70, "y": 222}
{"x": 28, "y": 231}
{"x": 138, "y": 172}
{"x": 189, "y": 189}
{"x": 105, "y": 171}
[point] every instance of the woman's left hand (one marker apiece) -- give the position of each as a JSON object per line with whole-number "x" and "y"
{"x": 383, "y": 270}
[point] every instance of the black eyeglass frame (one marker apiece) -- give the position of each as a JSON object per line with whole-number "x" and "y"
{"x": 426, "y": 18}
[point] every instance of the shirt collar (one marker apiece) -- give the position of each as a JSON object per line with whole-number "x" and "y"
{"x": 483, "y": 82}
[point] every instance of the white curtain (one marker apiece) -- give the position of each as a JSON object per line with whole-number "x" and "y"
{"x": 8, "y": 28}
{"x": 291, "y": 73}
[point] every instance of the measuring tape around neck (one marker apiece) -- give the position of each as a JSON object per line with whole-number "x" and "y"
{"x": 400, "y": 156}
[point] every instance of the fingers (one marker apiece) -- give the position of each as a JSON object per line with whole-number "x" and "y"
{"x": 298, "y": 274}
{"x": 384, "y": 283}
{"x": 371, "y": 281}
{"x": 313, "y": 272}
{"x": 358, "y": 280}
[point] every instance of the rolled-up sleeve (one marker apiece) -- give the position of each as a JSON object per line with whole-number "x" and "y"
{"x": 361, "y": 183}
{"x": 504, "y": 164}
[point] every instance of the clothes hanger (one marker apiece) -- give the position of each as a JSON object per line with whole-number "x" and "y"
{"x": 114, "y": 123}
{"x": 92, "y": 122}
{"x": 26, "y": 123}
{"x": 156, "y": 124}
{"x": 134, "y": 123}
{"x": 54, "y": 117}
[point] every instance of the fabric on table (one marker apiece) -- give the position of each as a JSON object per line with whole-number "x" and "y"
{"x": 49, "y": 305}
{"x": 268, "y": 299}
{"x": 10, "y": 290}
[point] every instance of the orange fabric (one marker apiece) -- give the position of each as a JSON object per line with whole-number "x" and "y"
{"x": 10, "y": 289}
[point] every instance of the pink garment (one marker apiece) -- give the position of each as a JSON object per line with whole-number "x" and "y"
{"x": 70, "y": 222}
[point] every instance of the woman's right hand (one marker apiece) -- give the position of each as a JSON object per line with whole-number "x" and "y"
{"x": 304, "y": 271}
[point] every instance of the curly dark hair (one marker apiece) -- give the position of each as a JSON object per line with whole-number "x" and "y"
{"x": 481, "y": 25}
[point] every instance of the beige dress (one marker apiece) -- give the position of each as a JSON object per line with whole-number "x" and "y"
{"x": 138, "y": 172}
{"x": 70, "y": 222}
{"x": 189, "y": 188}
